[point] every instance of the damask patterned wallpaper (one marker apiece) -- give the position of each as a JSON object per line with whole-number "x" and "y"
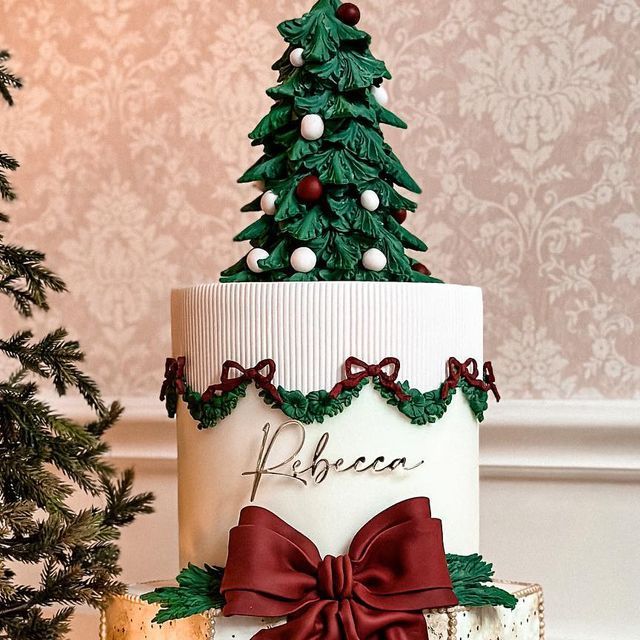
{"x": 524, "y": 131}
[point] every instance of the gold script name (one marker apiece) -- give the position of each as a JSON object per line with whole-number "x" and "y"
{"x": 320, "y": 467}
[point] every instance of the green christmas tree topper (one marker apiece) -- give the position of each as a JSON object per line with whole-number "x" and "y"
{"x": 331, "y": 210}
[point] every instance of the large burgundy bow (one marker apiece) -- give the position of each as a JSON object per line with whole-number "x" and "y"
{"x": 395, "y": 568}
{"x": 262, "y": 374}
{"x": 356, "y": 371}
{"x": 468, "y": 371}
{"x": 173, "y": 377}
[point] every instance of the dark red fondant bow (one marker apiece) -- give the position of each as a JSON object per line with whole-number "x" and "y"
{"x": 468, "y": 371}
{"x": 395, "y": 568}
{"x": 173, "y": 377}
{"x": 356, "y": 371}
{"x": 262, "y": 374}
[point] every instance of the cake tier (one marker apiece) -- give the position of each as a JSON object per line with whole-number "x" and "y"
{"x": 128, "y": 618}
{"x": 309, "y": 330}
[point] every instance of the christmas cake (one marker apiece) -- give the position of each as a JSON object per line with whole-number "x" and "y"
{"x": 328, "y": 394}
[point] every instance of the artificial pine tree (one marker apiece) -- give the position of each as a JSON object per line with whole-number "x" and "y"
{"x": 45, "y": 458}
{"x": 331, "y": 210}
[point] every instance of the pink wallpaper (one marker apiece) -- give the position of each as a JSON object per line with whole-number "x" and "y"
{"x": 524, "y": 131}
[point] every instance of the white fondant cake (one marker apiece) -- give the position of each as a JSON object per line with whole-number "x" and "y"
{"x": 128, "y": 618}
{"x": 309, "y": 330}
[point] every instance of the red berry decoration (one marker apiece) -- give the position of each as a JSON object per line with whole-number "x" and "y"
{"x": 349, "y": 14}
{"x": 420, "y": 268}
{"x": 309, "y": 190}
{"x": 400, "y": 215}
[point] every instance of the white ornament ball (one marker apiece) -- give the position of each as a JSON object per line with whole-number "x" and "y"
{"x": 268, "y": 203}
{"x": 303, "y": 260}
{"x": 252, "y": 259}
{"x": 374, "y": 260}
{"x": 381, "y": 95}
{"x": 312, "y": 127}
{"x": 296, "y": 57}
{"x": 370, "y": 200}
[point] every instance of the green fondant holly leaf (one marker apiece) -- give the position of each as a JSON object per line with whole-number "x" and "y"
{"x": 322, "y": 405}
{"x": 478, "y": 399}
{"x": 295, "y": 405}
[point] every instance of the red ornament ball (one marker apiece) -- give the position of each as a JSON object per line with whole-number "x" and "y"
{"x": 309, "y": 190}
{"x": 400, "y": 215}
{"x": 349, "y": 14}
{"x": 420, "y": 268}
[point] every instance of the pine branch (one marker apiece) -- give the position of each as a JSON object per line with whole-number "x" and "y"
{"x": 46, "y": 458}
{"x": 7, "y": 79}
{"x": 54, "y": 358}
{"x": 24, "y": 278}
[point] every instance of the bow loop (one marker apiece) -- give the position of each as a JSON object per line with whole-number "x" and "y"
{"x": 386, "y": 371}
{"x": 395, "y": 568}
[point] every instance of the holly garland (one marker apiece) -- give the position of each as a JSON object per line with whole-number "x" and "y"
{"x": 422, "y": 408}
{"x": 198, "y": 589}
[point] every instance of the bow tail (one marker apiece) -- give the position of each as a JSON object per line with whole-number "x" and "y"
{"x": 390, "y": 625}
{"x": 317, "y": 621}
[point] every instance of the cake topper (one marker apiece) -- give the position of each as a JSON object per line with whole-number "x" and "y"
{"x": 329, "y": 203}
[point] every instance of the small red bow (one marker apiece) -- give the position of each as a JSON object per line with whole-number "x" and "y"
{"x": 395, "y": 568}
{"x": 262, "y": 374}
{"x": 357, "y": 370}
{"x": 468, "y": 371}
{"x": 173, "y": 377}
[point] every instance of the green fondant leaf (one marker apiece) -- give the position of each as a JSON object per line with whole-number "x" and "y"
{"x": 254, "y": 205}
{"x": 344, "y": 252}
{"x": 278, "y": 258}
{"x": 385, "y": 116}
{"x": 469, "y": 575}
{"x": 351, "y": 70}
{"x": 309, "y": 226}
{"x": 398, "y": 173}
{"x": 340, "y": 166}
{"x": 302, "y": 148}
{"x": 266, "y": 169}
{"x": 320, "y": 33}
{"x": 407, "y": 238}
{"x": 279, "y": 116}
{"x": 366, "y": 142}
{"x": 368, "y": 223}
{"x": 295, "y": 405}
{"x": 198, "y": 591}
{"x": 478, "y": 399}
{"x": 256, "y": 230}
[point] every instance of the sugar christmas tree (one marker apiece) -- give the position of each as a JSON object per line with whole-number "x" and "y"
{"x": 331, "y": 210}
{"x": 46, "y": 458}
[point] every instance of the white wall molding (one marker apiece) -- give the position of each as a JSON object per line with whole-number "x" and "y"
{"x": 568, "y": 439}
{"x": 533, "y": 439}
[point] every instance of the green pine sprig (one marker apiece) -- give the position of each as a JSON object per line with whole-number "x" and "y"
{"x": 470, "y": 576}
{"x": 198, "y": 591}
